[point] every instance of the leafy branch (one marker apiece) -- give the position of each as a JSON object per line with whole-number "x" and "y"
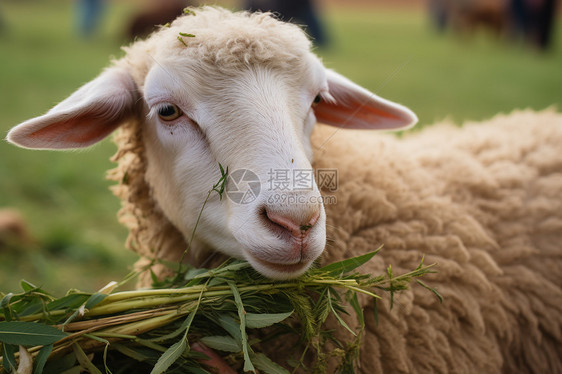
{"x": 225, "y": 308}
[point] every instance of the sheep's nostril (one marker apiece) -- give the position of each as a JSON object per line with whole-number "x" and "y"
{"x": 298, "y": 227}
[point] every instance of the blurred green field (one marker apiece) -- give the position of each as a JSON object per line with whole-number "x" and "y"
{"x": 63, "y": 195}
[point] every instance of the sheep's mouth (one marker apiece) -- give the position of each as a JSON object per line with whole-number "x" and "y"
{"x": 283, "y": 268}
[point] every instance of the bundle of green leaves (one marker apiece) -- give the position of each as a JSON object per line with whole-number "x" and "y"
{"x": 231, "y": 309}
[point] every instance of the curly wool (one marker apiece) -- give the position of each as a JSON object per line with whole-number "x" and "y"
{"x": 483, "y": 202}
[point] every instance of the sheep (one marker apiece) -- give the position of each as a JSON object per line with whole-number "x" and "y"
{"x": 244, "y": 90}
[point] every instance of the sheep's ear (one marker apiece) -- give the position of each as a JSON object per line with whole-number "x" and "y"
{"x": 86, "y": 117}
{"x": 356, "y": 108}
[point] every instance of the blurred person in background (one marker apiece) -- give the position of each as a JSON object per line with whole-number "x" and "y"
{"x": 534, "y": 20}
{"x": 531, "y": 19}
{"x": 90, "y": 13}
{"x": 439, "y": 14}
{"x": 303, "y": 12}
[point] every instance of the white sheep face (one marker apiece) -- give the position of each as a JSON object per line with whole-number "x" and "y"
{"x": 257, "y": 116}
{"x": 257, "y": 120}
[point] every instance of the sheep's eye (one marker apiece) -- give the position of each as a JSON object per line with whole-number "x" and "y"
{"x": 169, "y": 112}
{"x": 317, "y": 99}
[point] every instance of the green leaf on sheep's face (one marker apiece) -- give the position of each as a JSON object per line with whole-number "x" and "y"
{"x": 349, "y": 264}
{"x": 181, "y": 40}
{"x": 187, "y": 35}
{"x": 29, "y": 333}
{"x": 217, "y": 187}
{"x": 220, "y": 186}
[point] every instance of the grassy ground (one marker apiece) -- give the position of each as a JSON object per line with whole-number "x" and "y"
{"x": 399, "y": 56}
{"x": 64, "y": 197}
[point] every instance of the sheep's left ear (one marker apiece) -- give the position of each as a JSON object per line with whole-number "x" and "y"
{"x": 354, "y": 107}
{"x": 84, "y": 118}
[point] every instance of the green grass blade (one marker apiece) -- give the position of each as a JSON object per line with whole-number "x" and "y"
{"x": 354, "y": 302}
{"x": 348, "y": 265}
{"x": 248, "y": 366}
{"x": 433, "y": 290}
{"x": 9, "y": 359}
{"x": 340, "y": 320}
{"x": 391, "y": 288}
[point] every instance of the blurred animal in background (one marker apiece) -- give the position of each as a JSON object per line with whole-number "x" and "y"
{"x": 532, "y": 20}
{"x": 155, "y": 14}
{"x": 302, "y": 12}
{"x": 13, "y": 230}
